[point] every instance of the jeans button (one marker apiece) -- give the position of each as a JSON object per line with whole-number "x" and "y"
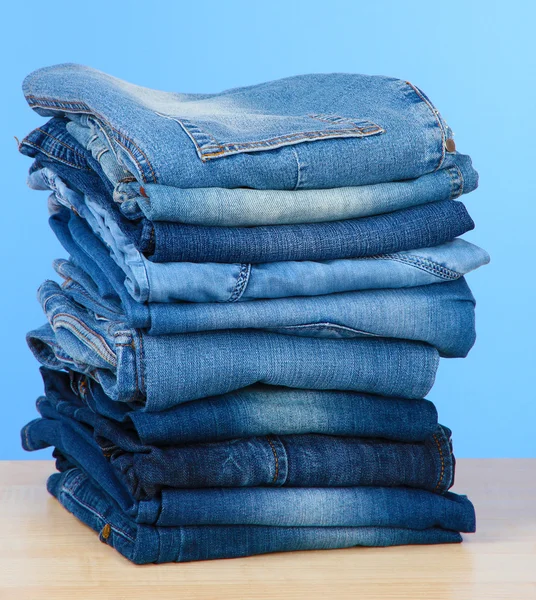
{"x": 450, "y": 145}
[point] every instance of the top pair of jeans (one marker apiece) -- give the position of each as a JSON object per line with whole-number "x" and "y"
{"x": 414, "y": 227}
{"x": 302, "y": 132}
{"x": 143, "y": 543}
{"x": 253, "y": 411}
{"x": 120, "y": 268}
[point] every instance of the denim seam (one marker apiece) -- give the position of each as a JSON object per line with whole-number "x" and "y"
{"x": 423, "y": 264}
{"x": 63, "y": 160}
{"x": 142, "y": 362}
{"x": 333, "y": 118}
{"x": 61, "y": 143}
{"x": 82, "y": 107}
{"x": 298, "y": 167}
{"x": 461, "y": 185}
{"x": 325, "y": 326}
{"x": 441, "y": 458}
{"x": 436, "y": 116}
{"x": 138, "y": 368}
{"x": 272, "y": 143}
{"x": 85, "y": 331}
{"x": 276, "y": 458}
{"x": 90, "y": 509}
{"x": 241, "y": 283}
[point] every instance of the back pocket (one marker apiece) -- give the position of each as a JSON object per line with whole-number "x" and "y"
{"x": 217, "y": 136}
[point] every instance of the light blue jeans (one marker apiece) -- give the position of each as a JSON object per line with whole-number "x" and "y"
{"x": 115, "y": 258}
{"x": 303, "y": 132}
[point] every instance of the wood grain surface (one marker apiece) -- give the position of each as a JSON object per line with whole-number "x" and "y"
{"x": 46, "y": 554}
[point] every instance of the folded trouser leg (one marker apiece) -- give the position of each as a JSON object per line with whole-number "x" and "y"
{"x": 252, "y": 411}
{"x": 148, "y": 544}
{"x": 306, "y": 460}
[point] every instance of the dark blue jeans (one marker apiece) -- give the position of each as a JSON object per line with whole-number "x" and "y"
{"x": 307, "y": 460}
{"x": 154, "y": 544}
{"x": 406, "y": 229}
{"x": 357, "y": 506}
{"x": 254, "y": 411}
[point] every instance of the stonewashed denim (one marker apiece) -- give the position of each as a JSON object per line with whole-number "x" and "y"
{"x": 441, "y": 314}
{"x": 210, "y": 282}
{"x": 307, "y": 460}
{"x": 273, "y": 506}
{"x": 307, "y": 131}
{"x": 406, "y": 229}
{"x": 254, "y": 411}
{"x": 414, "y": 227}
{"x": 148, "y": 281}
{"x": 246, "y": 207}
{"x": 158, "y": 372}
{"x": 153, "y": 544}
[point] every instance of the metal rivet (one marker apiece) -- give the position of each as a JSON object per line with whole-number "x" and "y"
{"x": 450, "y": 145}
{"x": 106, "y": 530}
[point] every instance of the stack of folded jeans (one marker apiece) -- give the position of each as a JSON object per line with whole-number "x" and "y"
{"x": 260, "y": 284}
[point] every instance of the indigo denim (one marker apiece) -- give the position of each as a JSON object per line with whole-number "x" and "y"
{"x": 158, "y": 372}
{"x": 245, "y": 207}
{"x": 154, "y": 544}
{"x": 440, "y": 314}
{"x": 254, "y": 411}
{"x": 307, "y": 460}
{"x": 365, "y": 506}
{"x": 302, "y": 132}
{"x": 164, "y": 282}
{"x": 146, "y": 281}
{"x": 406, "y": 229}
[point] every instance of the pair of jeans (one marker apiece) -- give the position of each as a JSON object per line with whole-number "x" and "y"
{"x": 159, "y": 372}
{"x": 242, "y": 207}
{"x": 254, "y": 411}
{"x": 303, "y": 132}
{"x": 405, "y": 229}
{"x": 134, "y": 277}
{"x": 271, "y": 506}
{"x": 441, "y": 315}
{"x": 296, "y": 461}
{"x": 142, "y": 543}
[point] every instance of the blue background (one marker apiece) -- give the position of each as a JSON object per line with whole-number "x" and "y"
{"x": 475, "y": 59}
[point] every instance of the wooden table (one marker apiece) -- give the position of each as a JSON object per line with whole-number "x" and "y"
{"x": 46, "y": 554}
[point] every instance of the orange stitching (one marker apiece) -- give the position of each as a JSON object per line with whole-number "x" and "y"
{"x": 442, "y": 461}
{"x": 301, "y": 135}
{"x": 87, "y": 110}
{"x": 434, "y": 112}
{"x": 276, "y": 474}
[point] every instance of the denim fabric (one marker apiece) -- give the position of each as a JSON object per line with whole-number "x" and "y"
{"x": 441, "y": 315}
{"x": 362, "y": 506}
{"x": 254, "y": 411}
{"x": 297, "y": 461}
{"x": 209, "y": 282}
{"x": 149, "y": 544}
{"x": 159, "y": 372}
{"x": 303, "y": 132}
{"x": 415, "y": 227}
{"x": 288, "y": 507}
{"x": 148, "y": 281}
{"x": 246, "y": 207}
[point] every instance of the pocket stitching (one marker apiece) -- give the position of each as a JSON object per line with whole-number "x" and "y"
{"x": 360, "y": 128}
